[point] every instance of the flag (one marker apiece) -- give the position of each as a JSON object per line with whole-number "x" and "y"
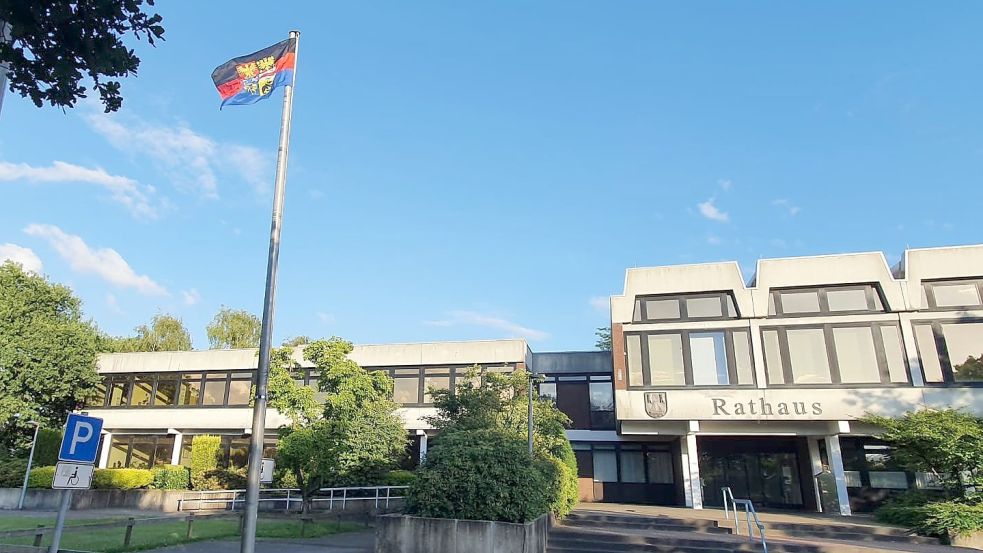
{"x": 251, "y": 78}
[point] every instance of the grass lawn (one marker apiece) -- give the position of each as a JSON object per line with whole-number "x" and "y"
{"x": 154, "y": 535}
{"x": 23, "y": 523}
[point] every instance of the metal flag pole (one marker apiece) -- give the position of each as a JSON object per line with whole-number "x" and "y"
{"x": 248, "y": 544}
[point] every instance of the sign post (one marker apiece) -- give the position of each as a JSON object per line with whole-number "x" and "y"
{"x": 76, "y": 457}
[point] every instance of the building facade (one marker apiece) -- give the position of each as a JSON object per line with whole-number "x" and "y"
{"x": 712, "y": 381}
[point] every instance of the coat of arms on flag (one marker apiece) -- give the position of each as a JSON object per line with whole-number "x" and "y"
{"x": 251, "y": 78}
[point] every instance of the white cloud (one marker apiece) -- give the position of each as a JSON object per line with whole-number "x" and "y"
{"x": 601, "y": 303}
{"x": 709, "y": 210}
{"x": 106, "y": 263}
{"x": 725, "y": 184}
{"x": 473, "y": 318}
{"x": 194, "y": 161}
{"x": 790, "y": 209}
{"x": 190, "y": 297}
{"x": 19, "y": 254}
{"x": 135, "y": 197}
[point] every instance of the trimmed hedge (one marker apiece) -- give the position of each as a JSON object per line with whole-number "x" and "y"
{"x": 928, "y": 515}
{"x": 204, "y": 459}
{"x": 399, "y": 478}
{"x": 171, "y": 477}
{"x": 41, "y": 477}
{"x": 482, "y": 475}
{"x": 121, "y": 479}
{"x": 225, "y": 479}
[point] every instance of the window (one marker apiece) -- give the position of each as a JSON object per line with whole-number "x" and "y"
{"x": 547, "y": 390}
{"x": 190, "y": 389}
{"x": 717, "y": 305}
{"x": 605, "y": 465}
{"x": 601, "y": 404}
{"x": 240, "y": 386}
{"x": 140, "y": 451}
{"x": 928, "y": 353}
{"x": 951, "y": 351}
{"x": 833, "y": 300}
{"x": 119, "y": 393}
{"x": 98, "y": 398}
{"x": 835, "y": 354}
{"x": 213, "y": 392}
{"x": 628, "y": 463}
{"x": 406, "y": 386}
{"x": 953, "y": 293}
{"x": 659, "y": 466}
{"x": 690, "y": 358}
{"x": 437, "y": 379}
{"x": 143, "y": 388}
{"x": 167, "y": 387}
{"x": 632, "y": 464}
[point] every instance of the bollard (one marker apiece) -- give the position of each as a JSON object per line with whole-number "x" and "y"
{"x": 191, "y": 520}
{"x": 129, "y": 532}
{"x": 39, "y": 536}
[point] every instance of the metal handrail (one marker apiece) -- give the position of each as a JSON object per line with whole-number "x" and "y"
{"x": 382, "y": 494}
{"x": 749, "y": 513}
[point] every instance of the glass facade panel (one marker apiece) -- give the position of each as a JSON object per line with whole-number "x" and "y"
{"x": 708, "y": 354}
{"x": 894, "y": 353}
{"x": 742, "y": 357}
{"x": 142, "y": 453}
{"x": 731, "y": 308}
{"x": 964, "y": 341}
{"x": 166, "y": 394}
{"x": 891, "y": 480}
{"x": 406, "y": 390}
{"x": 855, "y": 355}
{"x": 928, "y": 353}
{"x": 661, "y": 309}
{"x": 239, "y": 392}
{"x": 98, "y": 398}
{"x": 773, "y": 357}
{"x": 118, "y": 453}
{"x": 632, "y": 466}
{"x": 847, "y": 300}
{"x": 548, "y": 390}
{"x": 704, "y": 307}
{"x": 633, "y": 345}
{"x": 214, "y": 392}
{"x": 800, "y": 302}
{"x": 666, "y": 360}
{"x": 605, "y": 465}
{"x": 143, "y": 386}
{"x": 238, "y": 452}
{"x": 601, "y": 405}
{"x": 807, "y": 356}
{"x": 435, "y": 382}
{"x": 119, "y": 391}
{"x": 659, "y": 464}
{"x": 956, "y": 294}
{"x": 190, "y": 389}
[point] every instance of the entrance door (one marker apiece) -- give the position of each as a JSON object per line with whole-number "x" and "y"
{"x": 768, "y": 478}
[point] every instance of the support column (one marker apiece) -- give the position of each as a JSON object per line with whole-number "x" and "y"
{"x": 423, "y": 444}
{"x": 816, "y": 467}
{"x": 107, "y": 445}
{"x": 178, "y": 444}
{"x": 690, "y": 461}
{"x": 836, "y": 467}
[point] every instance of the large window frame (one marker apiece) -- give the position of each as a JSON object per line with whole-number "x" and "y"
{"x": 948, "y": 375}
{"x": 160, "y": 443}
{"x": 928, "y": 292}
{"x": 619, "y": 449}
{"x": 836, "y": 381}
{"x": 456, "y": 374}
{"x": 599, "y": 419}
{"x": 684, "y": 335}
{"x": 728, "y": 307}
{"x": 874, "y": 296}
{"x": 127, "y": 381}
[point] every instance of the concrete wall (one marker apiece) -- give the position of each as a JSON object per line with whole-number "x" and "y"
{"x": 408, "y": 534}
{"x": 150, "y": 500}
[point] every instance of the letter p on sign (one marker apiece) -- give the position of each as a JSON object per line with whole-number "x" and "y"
{"x": 81, "y": 439}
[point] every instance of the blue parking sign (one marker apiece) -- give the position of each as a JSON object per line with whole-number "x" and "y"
{"x": 81, "y": 439}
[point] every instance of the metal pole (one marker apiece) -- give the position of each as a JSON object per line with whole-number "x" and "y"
{"x": 530, "y": 422}
{"x": 248, "y": 544}
{"x": 5, "y": 31}
{"x": 66, "y": 502}
{"x": 30, "y": 459}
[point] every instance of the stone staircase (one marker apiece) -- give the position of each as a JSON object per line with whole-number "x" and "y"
{"x": 682, "y": 531}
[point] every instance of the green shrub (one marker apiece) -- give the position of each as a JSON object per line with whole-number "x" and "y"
{"x": 945, "y": 518}
{"x": 46, "y": 449}
{"x": 224, "y": 479}
{"x": 121, "y": 479}
{"x": 481, "y": 475}
{"x": 171, "y": 477}
{"x": 399, "y": 478}
{"x": 904, "y": 510}
{"x": 204, "y": 458}
{"x": 284, "y": 478}
{"x": 41, "y": 477}
{"x": 12, "y": 471}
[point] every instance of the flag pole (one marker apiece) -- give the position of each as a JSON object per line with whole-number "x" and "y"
{"x": 248, "y": 544}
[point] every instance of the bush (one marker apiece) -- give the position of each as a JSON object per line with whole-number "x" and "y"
{"x": 12, "y": 471}
{"x": 46, "y": 449}
{"x": 171, "y": 477}
{"x": 481, "y": 475}
{"x": 926, "y": 514}
{"x": 904, "y": 510}
{"x": 121, "y": 479}
{"x": 41, "y": 477}
{"x": 399, "y": 478}
{"x": 284, "y": 478}
{"x": 204, "y": 459}
{"x": 224, "y": 479}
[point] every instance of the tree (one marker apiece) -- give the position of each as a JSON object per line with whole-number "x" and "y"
{"x": 47, "y": 354}
{"x": 603, "y": 342}
{"x": 499, "y": 403}
{"x": 947, "y": 443}
{"x": 353, "y": 438}
{"x": 970, "y": 370}
{"x": 234, "y": 329}
{"x": 54, "y": 44}
{"x": 164, "y": 333}
{"x": 296, "y": 341}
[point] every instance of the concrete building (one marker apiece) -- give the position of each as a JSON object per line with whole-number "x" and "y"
{"x": 712, "y": 382}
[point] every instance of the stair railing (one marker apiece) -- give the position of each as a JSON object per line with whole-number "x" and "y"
{"x": 730, "y": 503}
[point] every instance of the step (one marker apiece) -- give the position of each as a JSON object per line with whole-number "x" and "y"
{"x": 600, "y": 542}
{"x": 833, "y": 531}
{"x": 645, "y": 525}
{"x": 594, "y": 518}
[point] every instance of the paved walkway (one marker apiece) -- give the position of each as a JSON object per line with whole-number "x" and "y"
{"x": 352, "y": 542}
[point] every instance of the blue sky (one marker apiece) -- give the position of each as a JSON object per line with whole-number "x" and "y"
{"x": 488, "y": 170}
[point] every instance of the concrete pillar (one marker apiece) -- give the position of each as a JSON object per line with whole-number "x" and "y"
{"x": 107, "y": 445}
{"x": 423, "y": 444}
{"x": 178, "y": 443}
{"x": 692, "y": 487}
{"x": 836, "y": 467}
{"x": 816, "y": 467}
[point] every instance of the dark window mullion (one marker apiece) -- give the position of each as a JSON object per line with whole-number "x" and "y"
{"x": 687, "y": 358}
{"x": 731, "y": 358}
{"x": 786, "y": 356}
{"x": 643, "y": 343}
{"x": 823, "y": 301}
{"x": 834, "y": 362}
{"x": 948, "y": 376}
{"x": 683, "y": 310}
{"x": 879, "y": 350}
{"x": 153, "y": 390}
